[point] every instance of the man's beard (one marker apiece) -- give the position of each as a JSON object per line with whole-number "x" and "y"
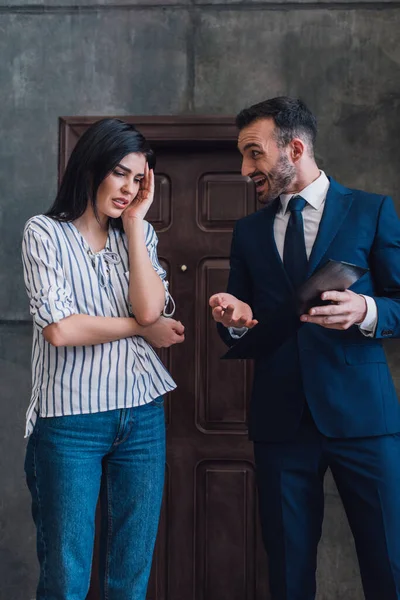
{"x": 278, "y": 180}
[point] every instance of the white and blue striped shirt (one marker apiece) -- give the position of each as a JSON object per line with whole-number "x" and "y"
{"x": 64, "y": 277}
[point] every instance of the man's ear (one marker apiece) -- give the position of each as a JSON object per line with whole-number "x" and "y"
{"x": 297, "y": 149}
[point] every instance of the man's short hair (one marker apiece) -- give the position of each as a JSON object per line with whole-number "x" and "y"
{"x": 291, "y": 116}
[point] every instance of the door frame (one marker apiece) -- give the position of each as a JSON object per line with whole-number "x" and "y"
{"x": 168, "y": 130}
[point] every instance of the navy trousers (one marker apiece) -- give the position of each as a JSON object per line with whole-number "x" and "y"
{"x": 290, "y": 485}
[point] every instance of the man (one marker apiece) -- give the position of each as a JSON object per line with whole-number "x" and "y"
{"x": 325, "y": 397}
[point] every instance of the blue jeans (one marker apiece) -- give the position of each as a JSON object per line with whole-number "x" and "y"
{"x": 64, "y": 463}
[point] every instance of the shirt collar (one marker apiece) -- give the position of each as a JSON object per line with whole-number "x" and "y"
{"x": 314, "y": 194}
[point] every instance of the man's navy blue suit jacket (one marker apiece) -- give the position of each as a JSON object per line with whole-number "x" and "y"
{"x": 343, "y": 375}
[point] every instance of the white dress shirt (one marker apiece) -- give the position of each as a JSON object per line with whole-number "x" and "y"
{"x": 315, "y": 195}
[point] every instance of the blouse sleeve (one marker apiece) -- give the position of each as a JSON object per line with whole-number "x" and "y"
{"x": 151, "y": 243}
{"x": 48, "y": 290}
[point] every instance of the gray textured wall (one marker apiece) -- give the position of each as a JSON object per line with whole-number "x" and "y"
{"x": 91, "y": 57}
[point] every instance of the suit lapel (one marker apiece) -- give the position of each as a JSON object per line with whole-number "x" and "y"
{"x": 337, "y": 205}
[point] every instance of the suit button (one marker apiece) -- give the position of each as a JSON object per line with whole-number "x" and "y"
{"x": 387, "y": 332}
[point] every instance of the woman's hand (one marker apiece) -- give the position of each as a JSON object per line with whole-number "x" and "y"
{"x": 163, "y": 333}
{"x": 139, "y": 207}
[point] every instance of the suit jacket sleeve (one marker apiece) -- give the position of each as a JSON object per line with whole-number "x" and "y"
{"x": 239, "y": 282}
{"x": 385, "y": 266}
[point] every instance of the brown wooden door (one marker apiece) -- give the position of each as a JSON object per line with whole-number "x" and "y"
{"x": 209, "y": 544}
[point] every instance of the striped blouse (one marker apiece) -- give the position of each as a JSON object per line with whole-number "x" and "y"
{"x": 64, "y": 277}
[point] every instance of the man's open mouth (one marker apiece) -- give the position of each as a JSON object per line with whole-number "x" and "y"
{"x": 259, "y": 181}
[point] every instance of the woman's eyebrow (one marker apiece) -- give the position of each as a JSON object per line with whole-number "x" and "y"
{"x": 121, "y": 166}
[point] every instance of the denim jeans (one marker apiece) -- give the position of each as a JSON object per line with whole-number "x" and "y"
{"x": 64, "y": 463}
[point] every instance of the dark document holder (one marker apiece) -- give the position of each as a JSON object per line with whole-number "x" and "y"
{"x": 334, "y": 275}
{"x": 265, "y": 338}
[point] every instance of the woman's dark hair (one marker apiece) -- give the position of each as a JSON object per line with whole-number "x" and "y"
{"x": 95, "y": 155}
{"x": 291, "y": 116}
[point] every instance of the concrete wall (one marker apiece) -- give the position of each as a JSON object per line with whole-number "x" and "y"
{"x": 91, "y": 57}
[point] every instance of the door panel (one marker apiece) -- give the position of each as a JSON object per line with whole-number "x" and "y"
{"x": 222, "y": 387}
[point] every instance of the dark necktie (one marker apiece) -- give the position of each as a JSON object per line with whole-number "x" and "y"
{"x": 294, "y": 252}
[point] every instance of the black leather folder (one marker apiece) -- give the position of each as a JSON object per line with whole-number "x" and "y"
{"x": 266, "y": 337}
{"x": 334, "y": 275}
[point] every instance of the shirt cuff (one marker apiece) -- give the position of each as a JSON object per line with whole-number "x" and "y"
{"x": 368, "y": 326}
{"x": 51, "y": 305}
{"x": 237, "y": 332}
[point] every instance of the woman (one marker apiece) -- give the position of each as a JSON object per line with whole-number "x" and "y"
{"x": 97, "y": 293}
